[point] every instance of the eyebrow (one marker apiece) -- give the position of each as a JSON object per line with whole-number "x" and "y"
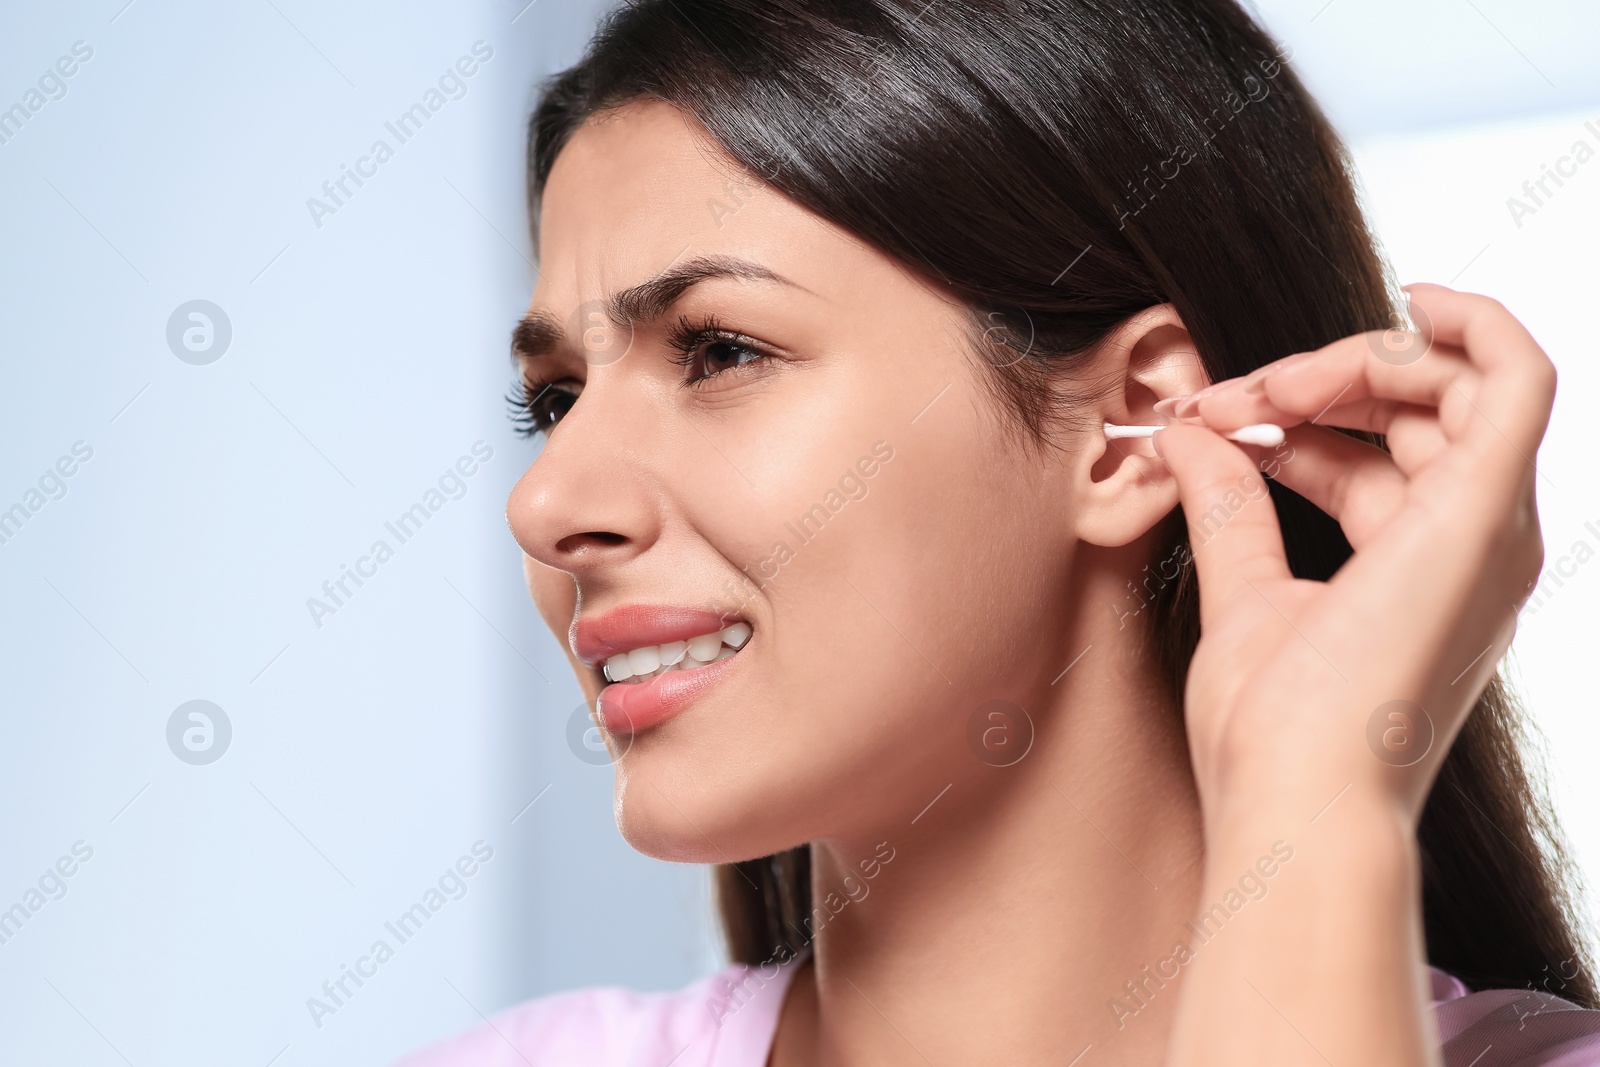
{"x": 540, "y": 332}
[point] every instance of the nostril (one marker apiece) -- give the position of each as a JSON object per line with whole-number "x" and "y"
{"x": 592, "y": 539}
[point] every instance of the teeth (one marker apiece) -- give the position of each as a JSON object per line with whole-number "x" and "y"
{"x": 642, "y": 664}
{"x": 704, "y": 648}
{"x": 644, "y": 660}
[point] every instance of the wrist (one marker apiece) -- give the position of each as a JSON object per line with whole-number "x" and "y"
{"x": 1362, "y": 799}
{"x": 1360, "y": 841}
{"x": 1324, "y": 918}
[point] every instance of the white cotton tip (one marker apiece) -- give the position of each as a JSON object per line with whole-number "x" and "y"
{"x": 1117, "y": 433}
{"x": 1264, "y": 434}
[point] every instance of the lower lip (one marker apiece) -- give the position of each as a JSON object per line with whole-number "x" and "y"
{"x": 631, "y": 707}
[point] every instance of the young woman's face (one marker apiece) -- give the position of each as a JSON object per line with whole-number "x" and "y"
{"x": 792, "y": 432}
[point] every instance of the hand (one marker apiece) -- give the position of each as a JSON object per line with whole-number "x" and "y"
{"x": 1290, "y": 691}
{"x": 1289, "y": 673}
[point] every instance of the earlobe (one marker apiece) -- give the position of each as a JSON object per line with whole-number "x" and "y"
{"x": 1124, "y": 488}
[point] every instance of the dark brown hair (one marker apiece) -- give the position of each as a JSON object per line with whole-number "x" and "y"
{"x": 1060, "y": 165}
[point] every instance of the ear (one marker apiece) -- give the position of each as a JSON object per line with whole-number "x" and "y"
{"x": 1122, "y": 487}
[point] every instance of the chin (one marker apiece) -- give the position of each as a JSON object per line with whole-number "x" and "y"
{"x": 666, "y": 840}
{"x": 667, "y": 810}
{"x": 656, "y": 829}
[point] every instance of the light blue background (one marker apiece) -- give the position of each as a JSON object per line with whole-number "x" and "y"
{"x": 367, "y": 355}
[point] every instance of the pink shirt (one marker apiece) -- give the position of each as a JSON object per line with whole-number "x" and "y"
{"x": 728, "y": 1019}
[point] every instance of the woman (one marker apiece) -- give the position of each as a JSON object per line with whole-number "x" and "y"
{"x": 1015, "y": 743}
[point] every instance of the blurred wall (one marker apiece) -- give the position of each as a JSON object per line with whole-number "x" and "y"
{"x": 349, "y": 366}
{"x": 194, "y": 491}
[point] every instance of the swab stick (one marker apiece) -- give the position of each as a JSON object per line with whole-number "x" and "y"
{"x": 1264, "y": 434}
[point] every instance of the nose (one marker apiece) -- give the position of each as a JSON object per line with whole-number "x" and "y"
{"x": 586, "y": 502}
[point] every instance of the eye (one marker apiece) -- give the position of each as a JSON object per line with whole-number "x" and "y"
{"x": 537, "y": 407}
{"x": 707, "y": 349}
{"x": 723, "y": 355}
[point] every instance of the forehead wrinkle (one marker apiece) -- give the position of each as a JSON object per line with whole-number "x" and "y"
{"x": 540, "y": 332}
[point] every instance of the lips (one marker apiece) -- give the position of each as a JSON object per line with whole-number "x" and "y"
{"x": 627, "y": 707}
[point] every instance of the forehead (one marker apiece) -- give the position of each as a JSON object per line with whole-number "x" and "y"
{"x": 630, "y": 189}
{"x": 641, "y": 187}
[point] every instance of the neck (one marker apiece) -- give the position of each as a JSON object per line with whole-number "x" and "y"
{"x": 1032, "y": 911}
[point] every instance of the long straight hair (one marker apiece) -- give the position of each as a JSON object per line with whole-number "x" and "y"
{"x": 1060, "y": 165}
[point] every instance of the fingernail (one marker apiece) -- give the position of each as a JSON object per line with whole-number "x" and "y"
{"x": 1258, "y": 385}
{"x": 1155, "y": 442}
{"x": 1287, "y": 361}
{"x": 1186, "y": 406}
{"x": 1164, "y": 407}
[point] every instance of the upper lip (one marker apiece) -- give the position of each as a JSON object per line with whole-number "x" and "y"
{"x": 623, "y": 629}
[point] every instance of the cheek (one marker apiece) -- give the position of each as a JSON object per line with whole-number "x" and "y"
{"x": 924, "y": 598}
{"x": 890, "y": 615}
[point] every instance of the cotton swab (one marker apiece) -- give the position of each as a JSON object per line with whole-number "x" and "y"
{"x": 1264, "y": 434}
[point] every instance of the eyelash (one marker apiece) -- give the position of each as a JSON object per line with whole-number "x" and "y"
{"x": 533, "y": 403}
{"x": 688, "y": 337}
{"x": 532, "y": 406}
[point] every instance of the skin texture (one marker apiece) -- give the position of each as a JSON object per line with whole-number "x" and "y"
{"x": 1020, "y": 899}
